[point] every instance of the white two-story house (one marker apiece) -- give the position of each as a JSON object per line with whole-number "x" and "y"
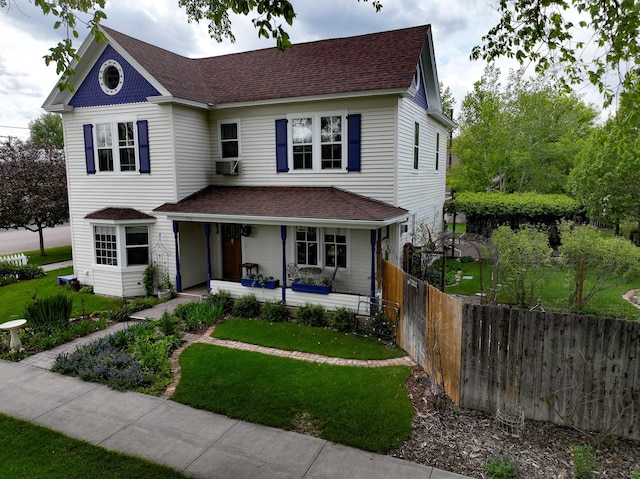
{"x": 327, "y": 156}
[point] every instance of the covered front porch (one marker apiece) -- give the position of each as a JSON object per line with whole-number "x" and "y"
{"x": 327, "y": 235}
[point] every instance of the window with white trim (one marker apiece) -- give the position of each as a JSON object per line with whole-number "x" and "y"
{"x": 307, "y": 246}
{"x": 116, "y": 146}
{"x": 137, "y": 244}
{"x": 318, "y": 142}
{"x": 106, "y": 245}
{"x": 229, "y": 140}
{"x": 416, "y": 145}
{"x": 335, "y": 247}
{"x": 321, "y": 247}
{"x": 121, "y": 245}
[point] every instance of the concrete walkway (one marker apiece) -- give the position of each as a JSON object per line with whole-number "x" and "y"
{"x": 198, "y": 443}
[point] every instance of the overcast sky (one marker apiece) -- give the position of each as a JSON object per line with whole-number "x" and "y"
{"x": 26, "y": 35}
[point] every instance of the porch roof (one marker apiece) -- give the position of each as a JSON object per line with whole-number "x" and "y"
{"x": 284, "y": 205}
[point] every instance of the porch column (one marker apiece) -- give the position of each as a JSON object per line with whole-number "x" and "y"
{"x": 207, "y": 235}
{"x": 176, "y": 230}
{"x": 283, "y": 236}
{"x": 372, "y": 292}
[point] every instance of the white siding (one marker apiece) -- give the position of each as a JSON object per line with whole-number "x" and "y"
{"x": 258, "y": 162}
{"x": 144, "y": 192}
{"x": 420, "y": 191}
{"x": 194, "y": 165}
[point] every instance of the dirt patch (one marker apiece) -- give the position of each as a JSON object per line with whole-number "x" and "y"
{"x": 463, "y": 441}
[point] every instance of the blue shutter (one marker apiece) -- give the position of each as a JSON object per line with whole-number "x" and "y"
{"x": 88, "y": 149}
{"x": 353, "y": 155}
{"x": 282, "y": 165}
{"x": 143, "y": 146}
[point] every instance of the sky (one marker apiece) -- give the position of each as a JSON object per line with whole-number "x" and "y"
{"x": 26, "y": 36}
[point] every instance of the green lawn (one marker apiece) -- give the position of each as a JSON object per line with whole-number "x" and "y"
{"x": 35, "y": 452}
{"x": 53, "y": 255}
{"x": 367, "y": 408}
{"x": 14, "y": 297}
{"x": 555, "y": 291}
{"x": 292, "y": 337}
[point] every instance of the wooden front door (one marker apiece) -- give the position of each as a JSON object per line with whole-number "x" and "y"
{"x": 231, "y": 252}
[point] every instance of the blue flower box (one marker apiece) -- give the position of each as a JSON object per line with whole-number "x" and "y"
{"x": 256, "y": 283}
{"x": 311, "y": 288}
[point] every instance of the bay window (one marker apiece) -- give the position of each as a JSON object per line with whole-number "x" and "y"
{"x": 121, "y": 245}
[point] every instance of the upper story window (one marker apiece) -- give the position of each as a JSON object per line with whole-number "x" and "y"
{"x": 437, "y": 150}
{"x": 116, "y": 146}
{"x": 230, "y": 140}
{"x": 111, "y": 77}
{"x": 318, "y": 142}
{"x": 416, "y": 145}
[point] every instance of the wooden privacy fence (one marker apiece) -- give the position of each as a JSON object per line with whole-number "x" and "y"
{"x": 571, "y": 370}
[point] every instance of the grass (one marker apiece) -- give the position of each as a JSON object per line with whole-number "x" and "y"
{"x": 555, "y": 291}
{"x": 53, "y": 255}
{"x": 15, "y": 297}
{"x": 28, "y": 450}
{"x": 292, "y": 337}
{"x": 460, "y": 227}
{"x": 367, "y": 408}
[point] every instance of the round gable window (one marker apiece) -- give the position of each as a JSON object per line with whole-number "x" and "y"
{"x": 111, "y": 77}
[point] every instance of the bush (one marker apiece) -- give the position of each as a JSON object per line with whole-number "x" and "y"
{"x": 182, "y": 311}
{"x": 501, "y": 468}
{"x": 246, "y": 307}
{"x": 466, "y": 259}
{"x": 21, "y": 273}
{"x": 310, "y": 315}
{"x": 380, "y": 324}
{"x": 274, "y": 312}
{"x": 203, "y": 313}
{"x": 342, "y": 319}
{"x": 167, "y": 324}
{"x": 48, "y": 314}
{"x": 584, "y": 461}
{"x": 224, "y": 297}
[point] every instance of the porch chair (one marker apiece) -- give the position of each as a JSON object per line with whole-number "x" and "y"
{"x": 331, "y": 277}
{"x": 293, "y": 272}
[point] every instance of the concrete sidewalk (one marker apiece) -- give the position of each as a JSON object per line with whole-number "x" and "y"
{"x": 199, "y": 443}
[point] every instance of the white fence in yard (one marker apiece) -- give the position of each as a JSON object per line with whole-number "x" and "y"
{"x": 19, "y": 259}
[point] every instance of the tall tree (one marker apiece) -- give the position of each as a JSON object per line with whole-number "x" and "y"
{"x": 587, "y": 39}
{"x": 606, "y": 177}
{"x": 269, "y": 15}
{"x": 519, "y": 137}
{"x": 46, "y": 131}
{"x": 33, "y": 188}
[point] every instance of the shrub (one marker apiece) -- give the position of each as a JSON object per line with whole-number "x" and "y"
{"x": 203, "y": 313}
{"x": 501, "y": 468}
{"x": 181, "y": 311}
{"x": 636, "y": 475}
{"x": 342, "y": 319}
{"x": 310, "y": 315}
{"x": 466, "y": 259}
{"x": 246, "y": 307}
{"x": 167, "y": 324}
{"x": 86, "y": 290}
{"x": 224, "y": 297}
{"x": 20, "y": 272}
{"x": 149, "y": 279}
{"x": 274, "y": 312}
{"x": 48, "y": 314}
{"x": 584, "y": 461}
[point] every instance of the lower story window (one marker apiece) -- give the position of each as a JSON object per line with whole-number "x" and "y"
{"x": 137, "y": 245}
{"x": 307, "y": 246}
{"x": 106, "y": 245}
{"x": 326, "y": 247}
{"x": 335, "y": 248}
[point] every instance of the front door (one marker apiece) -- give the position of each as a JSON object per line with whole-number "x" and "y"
{"x": 231, "y": 252}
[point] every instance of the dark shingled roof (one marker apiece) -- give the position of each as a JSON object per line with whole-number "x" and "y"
{"x": 284, "y": 202}
{"x": 119, "y": 214}
{"x": 378, "y": 61}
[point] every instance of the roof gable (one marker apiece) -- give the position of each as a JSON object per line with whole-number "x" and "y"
{"x": 135, "y": 89}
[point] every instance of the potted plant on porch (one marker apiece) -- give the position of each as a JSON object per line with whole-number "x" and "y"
{"x": 260, "y": 281}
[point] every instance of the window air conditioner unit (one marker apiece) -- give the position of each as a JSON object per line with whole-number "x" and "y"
{"x": 228, "y": 167}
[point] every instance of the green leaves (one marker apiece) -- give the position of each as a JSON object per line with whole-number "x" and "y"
{"x": 542, "y": 32}
{"x": 499, "y": 204}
